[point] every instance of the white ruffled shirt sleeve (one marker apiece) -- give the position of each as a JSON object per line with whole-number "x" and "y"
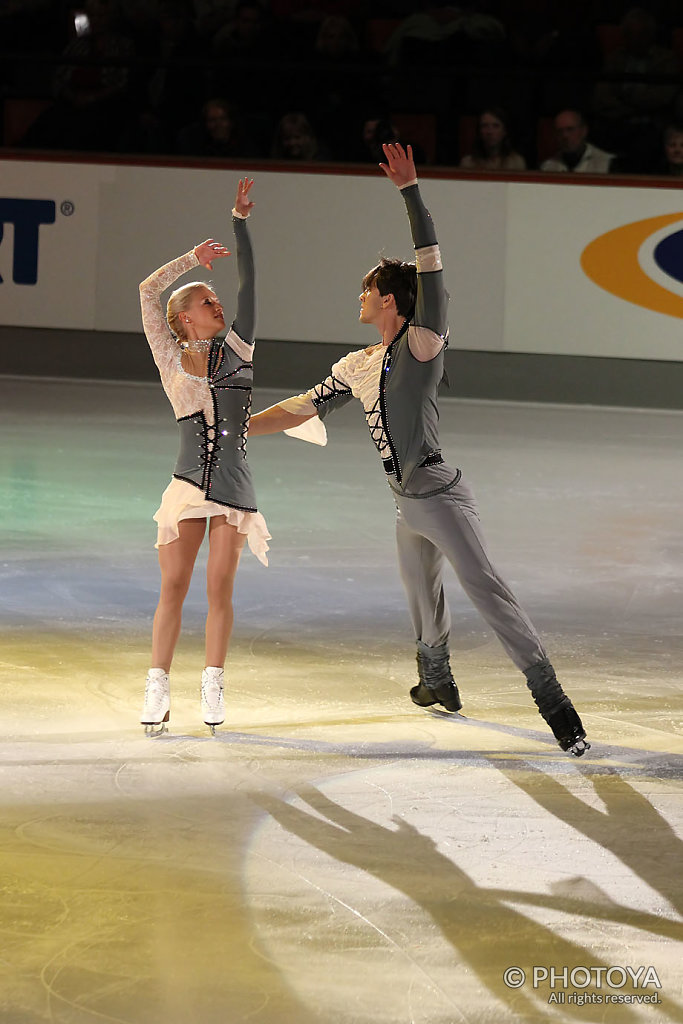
{"x": 312, "y": 430}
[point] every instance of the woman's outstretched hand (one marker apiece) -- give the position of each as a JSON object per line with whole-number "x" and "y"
{"x": 243, "y": 205}
{"x": 210, "y": 250}
{"x": 400, "y": 166}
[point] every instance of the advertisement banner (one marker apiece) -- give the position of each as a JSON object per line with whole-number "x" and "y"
{"x": 594, "y": 271}
{"x": 531, "y": 267}
{"x": 49, "y": 243}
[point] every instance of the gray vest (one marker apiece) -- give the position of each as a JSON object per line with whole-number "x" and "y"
{"x": 213, "y": 457}
{"x": 408, "y": 403}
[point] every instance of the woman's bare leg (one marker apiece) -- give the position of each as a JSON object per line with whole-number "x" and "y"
{"x": 225, "y": 548}
{"x": 176, "y": 561}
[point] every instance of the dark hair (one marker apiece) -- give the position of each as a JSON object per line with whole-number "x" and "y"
{"x": 501, "y": 115}
{"x": 394, "y": 277}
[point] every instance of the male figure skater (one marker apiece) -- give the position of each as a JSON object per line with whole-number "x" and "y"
{"x": 437, "y": 520}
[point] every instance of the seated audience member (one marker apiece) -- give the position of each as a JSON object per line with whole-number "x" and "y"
{"x": 295, "y": 139}
{"x": 492, "y": 149}
{"x": 632, "y": 106}
{"x": 671, "y": 158}
{"x": 374, "y": 130}
{"x": 575, "y": 153}
{"x": 218, "y": 133}
{"x": 369, "y": 135}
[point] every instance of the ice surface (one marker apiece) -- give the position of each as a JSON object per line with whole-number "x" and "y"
{"x": 336, "y": 855}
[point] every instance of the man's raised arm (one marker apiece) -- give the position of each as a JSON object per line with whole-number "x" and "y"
{"x": 431, "y": 305}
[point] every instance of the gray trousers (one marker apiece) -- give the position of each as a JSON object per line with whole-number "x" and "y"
{"x": 445, "y": 527}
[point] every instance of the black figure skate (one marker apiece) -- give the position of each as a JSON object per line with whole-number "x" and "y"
{"x": 556, "y": 708}
{"x": 436, "y": 685}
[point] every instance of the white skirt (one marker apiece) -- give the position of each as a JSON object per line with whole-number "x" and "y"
{"x": 182, "y": 500}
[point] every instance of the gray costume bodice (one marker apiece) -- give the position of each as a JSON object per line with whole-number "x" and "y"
{"x": 212, "y": 453}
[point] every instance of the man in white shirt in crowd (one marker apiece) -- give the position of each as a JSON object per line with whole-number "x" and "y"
{"x": 576, "y": 154}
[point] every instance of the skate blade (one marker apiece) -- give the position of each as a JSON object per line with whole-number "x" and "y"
{"x": 155, "y": 729}
{"x": 213, "y": 726}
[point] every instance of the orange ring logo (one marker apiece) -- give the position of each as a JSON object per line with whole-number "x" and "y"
{"x": 612, "y": 262}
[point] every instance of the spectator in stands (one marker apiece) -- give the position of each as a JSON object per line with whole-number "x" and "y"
{"x": 218, "y": 132}
{"x": 371, "y": 134}
{"x": 376, "y": 130}
{"x": 493, "y": 149}
{"x": 295, "y": 139}
{"x": 575, "y": 153}
{"x": 671, "y": 158}
{"x": 631, "y": 112}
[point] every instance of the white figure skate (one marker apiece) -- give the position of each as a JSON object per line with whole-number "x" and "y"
{"x": 157, "y": 708}
{"x": 213, "y": 705}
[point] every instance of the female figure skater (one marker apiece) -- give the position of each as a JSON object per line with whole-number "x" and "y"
{"x": 208, "y": 382}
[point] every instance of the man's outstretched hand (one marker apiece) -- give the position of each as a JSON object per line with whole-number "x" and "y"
{"x": 400, "y": 166}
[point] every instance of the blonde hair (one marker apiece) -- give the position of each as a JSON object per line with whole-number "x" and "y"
{"x": 178, "y": 303}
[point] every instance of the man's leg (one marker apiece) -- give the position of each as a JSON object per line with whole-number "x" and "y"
{"x": 450, "y": 521}
{"x": 421, "y": 567}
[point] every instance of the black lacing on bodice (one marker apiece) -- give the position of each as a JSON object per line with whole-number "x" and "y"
{"x": 329, "y": 389}
{"x": 374, "y": 420}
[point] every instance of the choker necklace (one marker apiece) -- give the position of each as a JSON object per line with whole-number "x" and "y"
{"x": 196, "y": 345}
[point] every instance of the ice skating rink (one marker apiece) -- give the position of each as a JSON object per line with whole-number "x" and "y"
{"x": 336, "y": 855}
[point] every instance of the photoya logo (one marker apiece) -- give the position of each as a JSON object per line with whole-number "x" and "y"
{"x": 26, "y": 216}
{"x": 641, "y": 262}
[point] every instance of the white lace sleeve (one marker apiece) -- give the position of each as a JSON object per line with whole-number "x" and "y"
{"x": 161, "y": 340}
